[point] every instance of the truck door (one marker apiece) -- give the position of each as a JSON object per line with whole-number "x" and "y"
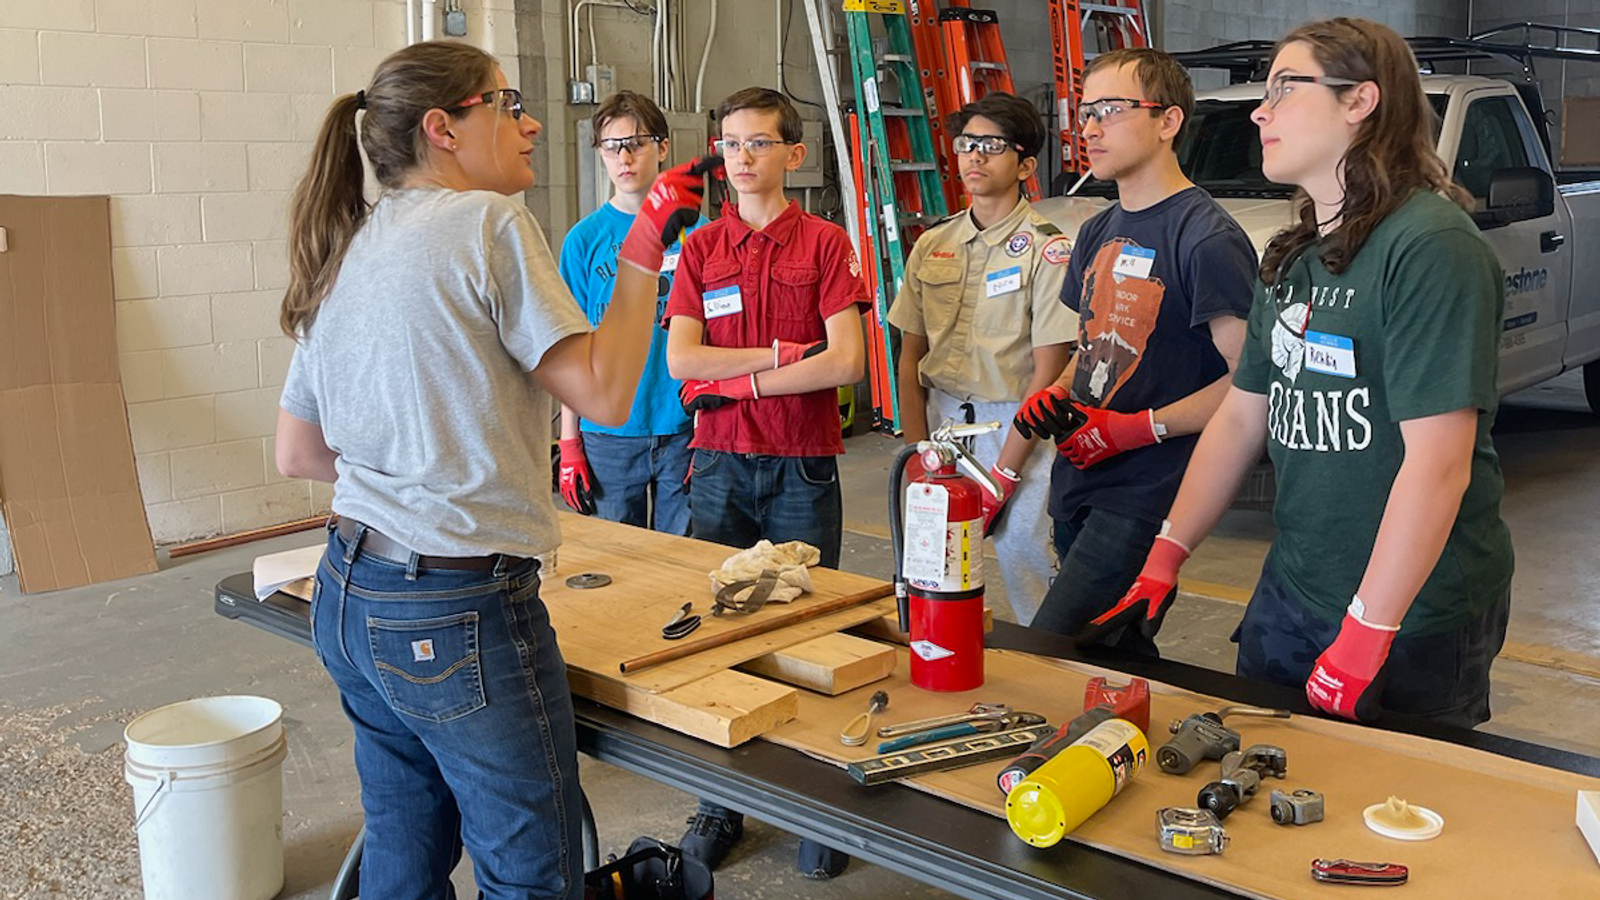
{"x": 1496, "y": 134}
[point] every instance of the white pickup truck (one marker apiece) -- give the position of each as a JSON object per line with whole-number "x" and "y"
{"x": 1543, "y": 224}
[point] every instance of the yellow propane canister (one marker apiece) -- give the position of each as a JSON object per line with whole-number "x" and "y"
{"x": 1068, "y": 789}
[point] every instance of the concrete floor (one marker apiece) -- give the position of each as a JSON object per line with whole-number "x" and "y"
{"x": 78, "y": 663}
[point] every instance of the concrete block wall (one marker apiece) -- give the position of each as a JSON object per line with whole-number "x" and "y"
{"x": 197, "y": 117}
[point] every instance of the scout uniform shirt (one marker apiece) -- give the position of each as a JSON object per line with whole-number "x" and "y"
{"x": 752, "y": 287}
{"x": 985, "y": 299}
{"x": 1409, "y": 330}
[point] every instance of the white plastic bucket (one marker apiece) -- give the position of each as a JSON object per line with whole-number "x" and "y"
{"x": 207, "y": 778}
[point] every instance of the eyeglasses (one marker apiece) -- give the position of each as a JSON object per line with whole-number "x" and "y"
{"x": 1109, "y": 108}
{"x": 756, "y": 146}
{"x": 506, "y": 100}
{"x": 987, "y": 144}
{"x": 632, "y": 143}
{"x": 1283, "y": 86}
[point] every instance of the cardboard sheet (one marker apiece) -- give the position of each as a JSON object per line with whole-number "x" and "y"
{"x": 1508, "y": 824}
{"x": 68, "y": 487}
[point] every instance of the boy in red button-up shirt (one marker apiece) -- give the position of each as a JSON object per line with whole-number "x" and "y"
{"x": 763, "y": 326}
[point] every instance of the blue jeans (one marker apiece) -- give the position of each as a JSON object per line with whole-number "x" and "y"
{"x": 634, "y": 476}
{"x": 1101, "y": 553}
{"x": 463, "y": 722}
{"x": 740, "y": 498}
{"x": 1443, "y": 677}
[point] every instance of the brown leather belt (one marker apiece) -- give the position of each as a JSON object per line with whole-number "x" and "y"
{"x": 377, "y": 542}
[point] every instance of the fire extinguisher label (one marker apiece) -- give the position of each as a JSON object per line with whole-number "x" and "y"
{"x": 940, "y": 555}
{"x": 929, "y": 651}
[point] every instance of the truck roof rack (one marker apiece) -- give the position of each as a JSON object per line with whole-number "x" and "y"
{"x": 1249, "y": 60}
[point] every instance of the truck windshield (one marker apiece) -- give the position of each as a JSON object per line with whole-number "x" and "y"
{"x": 1221, "y": 151}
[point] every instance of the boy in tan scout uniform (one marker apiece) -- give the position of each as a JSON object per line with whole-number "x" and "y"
{"x": 982, "y": 328}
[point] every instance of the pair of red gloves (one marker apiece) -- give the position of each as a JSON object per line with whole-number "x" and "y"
{"x": 670, "y": 208}
{"x": 1086, "y": 434}
{"x": 698, "y": 395}
{"x": 1345, "y": 679}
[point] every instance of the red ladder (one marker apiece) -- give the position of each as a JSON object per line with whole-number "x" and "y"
{"x": 1080, "y": 31}
{"x": 975, "y": 59}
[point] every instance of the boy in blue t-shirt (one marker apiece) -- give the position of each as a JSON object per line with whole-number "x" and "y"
{"x": 633, "y": 473}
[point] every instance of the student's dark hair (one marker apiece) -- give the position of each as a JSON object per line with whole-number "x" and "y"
{"x": 1392, "y": 155}
{"x": 1163, "y": 79}
{"x": 646, "y": 115}
{"x": 765, "y": 100}
{"x": 1016, "y": 117}
{"x": 328, "y": 205}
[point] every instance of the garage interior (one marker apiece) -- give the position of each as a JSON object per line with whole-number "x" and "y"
{"x": 195, "y": 118}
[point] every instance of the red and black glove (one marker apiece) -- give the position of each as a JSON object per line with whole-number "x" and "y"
{"x": 1048, "y": 413}
{"x": 670, "y": 208}
{"x": 1147, "y": 601}
{"x": 1105, "y": 433}
{"x": 789, "y": 352}
{"x": 577, "y": 481}
{"x": 1345, "y": 681}
{"x": 994, "y": 506}
{"x": 698, "y": 395}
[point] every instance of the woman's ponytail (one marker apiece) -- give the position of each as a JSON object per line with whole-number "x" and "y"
{"x": 327, "y": 210}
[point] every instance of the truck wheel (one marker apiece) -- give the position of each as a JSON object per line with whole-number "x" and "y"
{"x": 1591, "y": 385}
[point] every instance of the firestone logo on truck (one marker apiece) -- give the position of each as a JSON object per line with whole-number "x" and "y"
{"x": 1525, "y": 280}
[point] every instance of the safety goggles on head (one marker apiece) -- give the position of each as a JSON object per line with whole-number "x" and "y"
{"x": 1108, "y": 108}
{"x": 506, "y": 100}
{"x": 987, "y": 144}
{"x": 1282, "y": 86}
{"x": 632, "y": 143}
{"x": 756, "y": 146}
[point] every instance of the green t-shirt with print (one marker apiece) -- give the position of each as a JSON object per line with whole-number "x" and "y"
{"x": 1409, "y": 330}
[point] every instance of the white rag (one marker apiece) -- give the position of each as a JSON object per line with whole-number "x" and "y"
{"x": 787, "y": 561}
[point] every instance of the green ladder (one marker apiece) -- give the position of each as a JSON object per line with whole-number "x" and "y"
{"x": 904, "y": 149}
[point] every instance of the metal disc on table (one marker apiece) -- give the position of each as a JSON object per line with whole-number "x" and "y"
{"x": 589, "y": 580}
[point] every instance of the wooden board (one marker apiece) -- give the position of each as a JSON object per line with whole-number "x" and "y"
{"x": 726, "y": 709}
{"x": 1508, "y": 824}
{"x": 831, "y": 664}
{"x": 652, "y": 575}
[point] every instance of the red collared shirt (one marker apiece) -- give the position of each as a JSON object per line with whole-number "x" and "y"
{"x": 789, "y": 277}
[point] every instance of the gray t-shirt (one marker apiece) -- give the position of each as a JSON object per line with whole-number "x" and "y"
{"x": 416, "y": 369}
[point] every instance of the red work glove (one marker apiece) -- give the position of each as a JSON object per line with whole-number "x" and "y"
{"x": 993, "y": 506}
{"x": 1147, "y": 601}
{"x": 670, "y": 209}
{"x": 577, "y": 481}
{"x": 1105, "y": 433}
{"x": 788, "y": 352}
{"x": 698, "y": 395}
{"x": 1049, "y": 413}
{"x": 1344, "y": 681}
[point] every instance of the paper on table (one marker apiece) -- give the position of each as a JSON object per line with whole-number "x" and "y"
{"x": 275, "y": 570}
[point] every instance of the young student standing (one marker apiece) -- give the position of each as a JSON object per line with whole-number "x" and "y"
{"x": 432, "y": 329}
{"x": 982, "y": 327}
{"x": 633, "y": 473}
{"x": 764, "y": 324}
{"x": 1162, "y": 284}
{"x": 1369, "y": 374}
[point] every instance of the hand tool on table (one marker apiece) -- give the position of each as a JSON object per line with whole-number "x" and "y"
{"x": 1300, "y": 807}
{"x": 1348, "y": 871}
{"x": 1242, "y": 771}
{"x": 1192, "y": 832}
{"x": 1004, "y": 722}
{"x": 781, "y": 620}
{"x": 978, "y": 711}
{"x": 855, "y": 733}
{"x": 1203, "y": 736}
{"x": 939, "y": 757}
{"x": 761, "y": 587}
{"x": 1101, "y": 702}
{"x": 681, "y": 623}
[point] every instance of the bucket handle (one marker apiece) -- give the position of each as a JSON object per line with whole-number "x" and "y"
{"x": 163, "y": 780}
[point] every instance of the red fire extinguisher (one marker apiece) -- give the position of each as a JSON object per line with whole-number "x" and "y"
{"x": 938, "y": 547}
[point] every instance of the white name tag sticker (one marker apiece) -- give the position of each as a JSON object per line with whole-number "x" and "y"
{"x": 1134, "y": 262}
{"x": 1330, "y": 354}
{"x": 669, "y": 262}
{"x": 723, "y": 302}
{"x": 1002, "y": 282}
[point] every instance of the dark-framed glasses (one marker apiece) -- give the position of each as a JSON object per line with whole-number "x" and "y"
{"x": 632, "y": 143}
{"x": 1283, "y": 85}
{"x": 987, "y": 144}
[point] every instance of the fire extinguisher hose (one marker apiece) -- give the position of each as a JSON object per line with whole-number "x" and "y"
{"x": 897, "y": 471}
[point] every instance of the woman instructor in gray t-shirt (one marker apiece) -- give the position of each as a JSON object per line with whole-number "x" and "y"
{"x": 432, "y": 330}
